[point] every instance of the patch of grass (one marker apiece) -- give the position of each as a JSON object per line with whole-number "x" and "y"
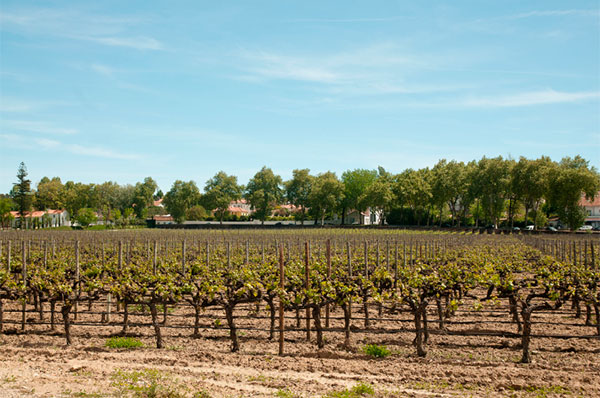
{"x": 147, "y": 383}
{"x": 123, "y": 342}
{"x": 201, "y": 394}
{"x": 359, "y": 390}
{"x": 377, "y": 351}
{"x": 285, "y": 393}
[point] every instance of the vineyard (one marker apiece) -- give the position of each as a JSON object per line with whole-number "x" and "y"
{"x": 333, "y": 290}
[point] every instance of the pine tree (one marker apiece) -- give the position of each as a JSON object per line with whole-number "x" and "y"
{"x": 22, "y": 192}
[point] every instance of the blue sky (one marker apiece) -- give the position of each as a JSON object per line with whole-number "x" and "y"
{"x": 114, "y": 90}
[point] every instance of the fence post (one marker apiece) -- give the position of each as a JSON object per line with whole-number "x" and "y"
{"x": 307, "y": 284}
{"x": 328, "y": 255}
{"x": 24, "y": 273}
{"x": 281, "y": 286}
{"x": 77, "y": 289}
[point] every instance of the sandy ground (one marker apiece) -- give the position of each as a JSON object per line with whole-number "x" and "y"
{"x": 38, "y": 364}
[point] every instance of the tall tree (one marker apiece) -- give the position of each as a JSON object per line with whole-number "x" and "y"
{"x": 21, "y": 193}
{"x": 264, "y": 192}
{"x": 356, "y": 183}
{"x": 6, "y": 205}
{"x": 412, "y": 189}
{"x": 220, "y": 191}
{"x": 49, "y": 194}
{"x": 325, "y": 195}
{"x": 569, "y": 182}
{"x": 181, "y": 197}
{"x": 297, "y": 190}
{"x": 530, "y": 180}
{"x": 143, "y": 196}
{"x": 493, "y": 179}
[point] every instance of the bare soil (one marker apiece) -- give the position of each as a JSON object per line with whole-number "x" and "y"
{"x": 37, "y": 363}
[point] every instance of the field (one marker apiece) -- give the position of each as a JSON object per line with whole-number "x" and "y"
{"x": 391, "y": 314}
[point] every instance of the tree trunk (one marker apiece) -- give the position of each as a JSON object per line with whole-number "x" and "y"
{"x": 155, "y": 324}
{"x": 419, "y": 331}
{"x": 317, "y": 318}
{"x": 272, "y": 315}
{"x": 514, "y": 312}
{"x": 232, "y": 328}
{"x": 526, "y": 336}
{"x": 196, "y": 320}
{"x": 52, "y": 315}
{"x": 440, "y": 311}
{"x": 366, "y": 311}
{"x": 125, "y": 318}
{"x": 347, "y": 307}
{"x": 66, "y": 310}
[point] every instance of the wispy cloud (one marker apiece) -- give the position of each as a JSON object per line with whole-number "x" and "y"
{"x": 102, "y": 69}
{"x": 20, "y": 142}
{"x": 349, "y": 20}
{"x": 528, "y": 99}
{"x": 138, "y": 42}
{"x": 36, "y": 127}
{"x": 78, "y": 25}
{"x": 379, "y": 69}
{"x": 556, "y": 13}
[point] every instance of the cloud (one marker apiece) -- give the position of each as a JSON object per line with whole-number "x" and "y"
{"x": 38, "y": 127}
{"x": 99, "y": 152}
{"x": 20, "y": 142}
{"x": 556, "y": 13}
{"x": 103, "y": 69}
{"x": 139, "y": 42}
{"x": 78, "y": 25}
{"x": 528, "y": 99}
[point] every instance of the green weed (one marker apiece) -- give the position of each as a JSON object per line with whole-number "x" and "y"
{"x": 377, "y": 351}
{"x": 123, "y": 342}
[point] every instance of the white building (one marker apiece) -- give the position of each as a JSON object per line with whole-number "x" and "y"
{"x": 592, "y": 209}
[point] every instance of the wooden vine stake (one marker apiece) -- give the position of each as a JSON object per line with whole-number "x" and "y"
{"x": 281, "y": 286}
{"x": 76, "y": 305}
{"x": 307, "y": 285}
{"x": 328, "y": 255}
{"x": 24, "y": 272}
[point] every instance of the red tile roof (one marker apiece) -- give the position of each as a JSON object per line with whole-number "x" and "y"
{"x": 584, "y": 202}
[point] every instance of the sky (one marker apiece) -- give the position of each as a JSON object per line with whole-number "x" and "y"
{"x": 120, "y": 90}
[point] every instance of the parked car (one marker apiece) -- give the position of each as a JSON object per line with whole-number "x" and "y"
{"x": 552, "y": 229}
{"x": 529, "y": 227}
{"x": 585, "y": 228}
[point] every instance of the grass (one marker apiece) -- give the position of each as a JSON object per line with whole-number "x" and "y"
{"x": 359, "y": 390}
{"x": 285, "y": 393}
{"x": 123, "y": 342}
{"x": 377, "y": 351}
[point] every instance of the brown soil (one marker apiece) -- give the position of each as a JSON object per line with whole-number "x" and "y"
{"x": 37, "y": 363}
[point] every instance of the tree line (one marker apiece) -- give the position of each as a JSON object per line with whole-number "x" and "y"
{"x": 489, "y": 191}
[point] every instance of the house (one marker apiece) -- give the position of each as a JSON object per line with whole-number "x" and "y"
{"x": 592, "y": 209}
{"x": 238, "y": 211}
{"x": 354, "y": 217}
{"x": 163, "y": 220}
{"x": 158, "y": 203}
{"x": 41, "y": 219}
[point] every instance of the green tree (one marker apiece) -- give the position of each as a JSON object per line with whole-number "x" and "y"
{"x": 297, "y": 190}
{"x": 49, "y": 194}
{"x": 568, "y": 183}
{"x": 85, "y": 216}
{"x": 356, "y": 183}
{"x": 325, "y": 195}
{"x": 530, "y": 180}
{"x": 441, "y": 187}
{"x": 220, "y": 191}
{"x": 143, "y": 196}
{"x": 196, "y": 213}
{"x": 379, "y": 197}
{"x": 412, "y": 189}
{"x": 181, "y": 197}
{"x": 21, "y": 193}
{"x": 6, "y": 205}
{"x": 493, "y": 180}
{"x": 264, "y": 192}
